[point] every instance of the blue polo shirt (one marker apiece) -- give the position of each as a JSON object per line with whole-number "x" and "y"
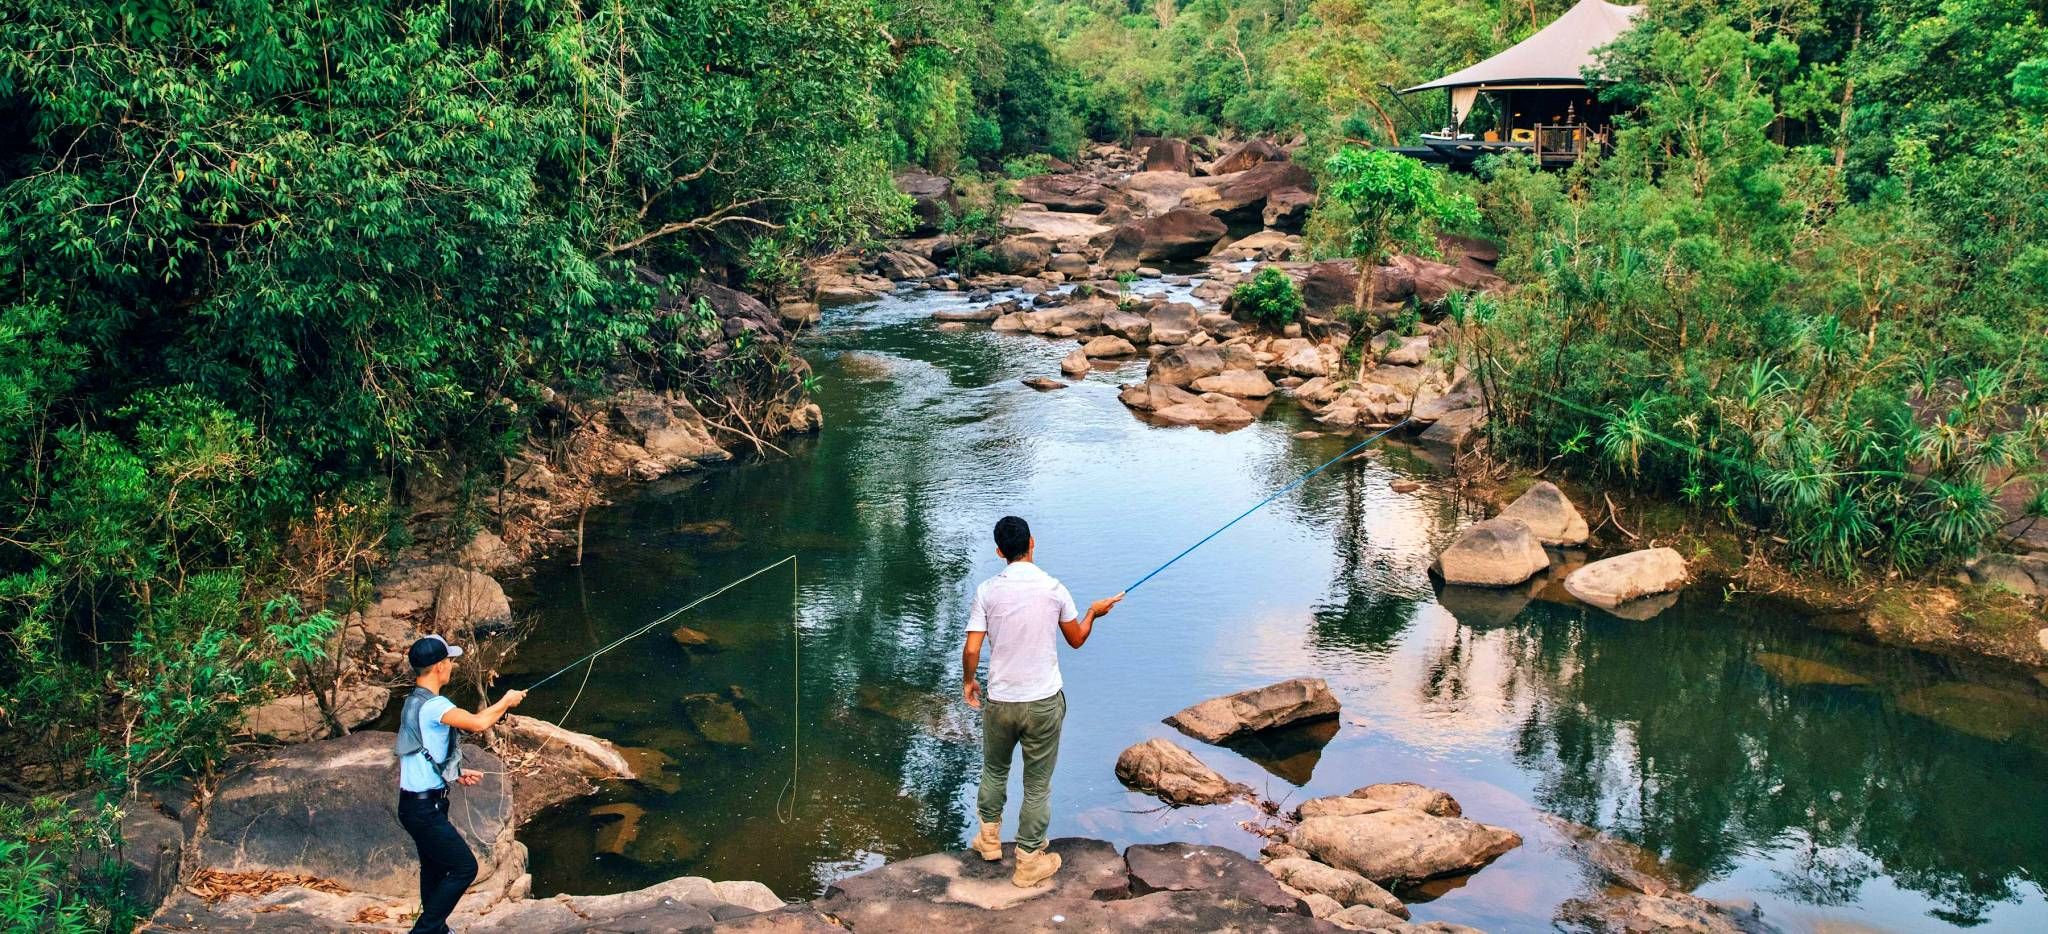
{"x": 415, "y": 773}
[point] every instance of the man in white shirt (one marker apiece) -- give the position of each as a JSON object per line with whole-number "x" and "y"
{"x": 1021, "y": 612}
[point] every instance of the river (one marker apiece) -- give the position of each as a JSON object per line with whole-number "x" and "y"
{"x": 1755, "y": 754}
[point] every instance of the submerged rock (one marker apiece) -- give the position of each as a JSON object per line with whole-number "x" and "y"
{"x": 1044, "y": 383}
{"x": 1161, "y": 767}
{"x": 1401, "y": 846}
{"x": 1499, "y": 552}
{"x": 717, "y": 720}
{"x": 1611, "y": 582}
{"x": 1546, "y": 511}
{"x": 618, "y": 825}
{"x": 1275, "y": 705}
{"x": 1637, "y": 913}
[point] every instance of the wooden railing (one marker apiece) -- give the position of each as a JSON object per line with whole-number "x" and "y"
{"x": 1561, "y": 142}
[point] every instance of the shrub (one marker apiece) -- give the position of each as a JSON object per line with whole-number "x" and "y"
{"x": 1269, "y": 298}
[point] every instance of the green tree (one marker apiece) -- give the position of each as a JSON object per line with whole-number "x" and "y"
{"x": 1386, "y": 201}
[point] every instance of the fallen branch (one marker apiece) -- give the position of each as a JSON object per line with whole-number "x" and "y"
{"x": 1614, "y": 516}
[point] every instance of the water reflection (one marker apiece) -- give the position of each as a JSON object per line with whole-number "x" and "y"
{"x": 1746, "y": 753}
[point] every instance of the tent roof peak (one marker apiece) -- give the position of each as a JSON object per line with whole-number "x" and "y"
{"x": 1555, "y": 54}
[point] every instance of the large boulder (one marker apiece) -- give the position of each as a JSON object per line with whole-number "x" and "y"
{"x": 1546, "y": 511}
{"x": 1188, "y": 867}
{"x": 470, "y": 600}
{"x": 1057, "y": 226}
{"x": 1077, "y": 193}
{"x": 1151, "y": 397}
{"x": 1624, "y": 912}
{"x": 1173, "y": 323}
{"x": 669, "y": 429}
{"x": 1163, "y": 768}
{"x": 1341, "y": 885}
{"x": 1169, "y": 155}
{"x": 1498, "y": 552}
{"x": 1108, "y": 345}
{"x": 1275, "y": 705}
{"x": 1611, "y": 582}
{"x": 1402, "y": 846}
{"x": 1129, "y": 325}
{"x": 1287, "y": 208}
{"x": 1179, "y": 234}
{"x": 1022, "y": 256}
{"x": 1158, "y": 192}
{"x": 1430, "y": 281}
{"x": 1386, "y": 796}
{"x": 1456, "y": 429}
{"x": 901, "y": 264}
{"x": 1241, "y": 196}
{"x": 1247, "y": 154}
{"x": 1210, "y": 410}
{"x": 2026, "y": 575}
{"x": 297, "y": 718}
{"x": 932, "y": 198}
{"x": 1248, "y": 384}
{"x": 327, "y": 810}
{"x": 1183, "y": 365}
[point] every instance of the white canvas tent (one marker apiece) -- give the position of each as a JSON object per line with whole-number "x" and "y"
{"x": 1552, "y": 58}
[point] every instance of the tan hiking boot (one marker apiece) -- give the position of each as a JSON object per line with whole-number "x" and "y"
{"x": 989, "y": 842}
{"x": 1034, "y": 868}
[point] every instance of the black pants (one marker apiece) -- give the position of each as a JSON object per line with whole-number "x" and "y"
{"x": 446, "y": 867}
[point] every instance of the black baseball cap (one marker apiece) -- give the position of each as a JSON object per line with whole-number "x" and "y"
{"x": 429, "y": 650}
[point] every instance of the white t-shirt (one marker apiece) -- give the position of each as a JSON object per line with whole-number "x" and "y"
{"x": 1021, "y": 610}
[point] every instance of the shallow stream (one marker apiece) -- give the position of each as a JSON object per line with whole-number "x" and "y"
{"x": 1753, "y": 754}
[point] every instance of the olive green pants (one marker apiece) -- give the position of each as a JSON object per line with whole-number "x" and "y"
{"x": 1035, "y": 725}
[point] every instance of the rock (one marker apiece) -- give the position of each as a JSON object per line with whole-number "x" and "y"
{"x": 1211, "y": 410}
{"x": 1547, "y": 513}
{"x": 1151, "y": 397}
{"x": 737, "y": 311}
{"x": 1241, "y": 196}
{"x": 2026, "y": 575}
{"x": 1128, "y": 325}
{"x": 932, "y": 199}
{"x": 1158, "y": 192}
{"x": 1044, "y": 383}
{"x": 1365, "y": 918}
{"x": 1172, "y": 322}
{"x": 1319, "y": 905}
{"x": 1304, "y": 359}
{"x": 1804, "y": 672}
{"x": 1089, "y": 870}
{"x": 486, "y": 552}
{"x": 1275, "y": 705}
{"x": 1179, "y": 234}
{"x": 1076, "y": 363}
{"x": 1077, "y": 193}
{"x": 1455, "y": 429}
{"x": 1386, "y": 796}
{"x": 1287, "y": 208}
{"x": 1342, "y": 886}
{"x": 1169, "y": 155}
{"x": 469, "y": 600}
{"x": 617, "y": 826}
{"x": 1611, "y": 582}
{"x": 1396, "y": 350}
{"x": 1187, "y": 867}
{"x": 717, "y": 720}
{"x": 1247, "y": 154}
{"x": 296, "y": 718}
{"x": 1637, "y": 913}
{"x": 1265, "y": 245}
{"x": 326, "y": 809}
{"x": 587, "y": 755}
{"x": 693, "y": 639}
{"x": 1070, "y": 227}
{"x": 152, "y": 853}
{"x": 668, "y": 428}
{"x": 1498, "y": 552}
{"x": 1182, "y": 366}
{"x": 1402, "y": 846}
{"x": 1161, "y": 767}
{"x": 901, "y": 265}
{"x": 1404, "y": 486}
{"x": 1248, "y": 384}
{"x": 1430, "y": 281}
{"x": 1108, "y": 346}
{"x": 1021, "y": 256}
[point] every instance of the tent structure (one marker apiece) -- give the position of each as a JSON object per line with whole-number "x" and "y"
{"x": 1545, "y": 72}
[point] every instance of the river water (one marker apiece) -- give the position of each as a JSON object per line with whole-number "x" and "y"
{"x": 1754, "y": 754}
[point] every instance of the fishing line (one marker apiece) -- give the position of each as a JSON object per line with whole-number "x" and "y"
{"x": 667, "y": 618}
{"x": 1261, "y": 504}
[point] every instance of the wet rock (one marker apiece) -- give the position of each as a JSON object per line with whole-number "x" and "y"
{"x": 1151, "y": 397}
{"x": 1108, "y": 345}
{"x": 932, "y": 198}
{"x": 1342, "y": 886}
{"x": 1182, "y": 366}
{"x": 326, "y": 809}
{"x": 1401, "y": 846}
{"x": 1636, "y": 913}
{"x": 1614, "y": 581}
{"x": 582, "y": 753}
{"x": 694, "y": 639}
{"x": 470, "y": 600}
{"x": 617, "y": 826}
{"x": 1075, "y": 364}
{"x": 1404, "y": 486}
{"x": 670, "y": 429}
{"x": 1247, "y": 154}
{"x": 1264, "y": 708}
{"x": 717, "y": 720}
{"x": 1805, "y": 672}
{"x": 1211, "y": 410}
{"x": 1495, "y": 553}
{"x": 1615, "y": 861}
{"x": 1161, "y": 767}
{"x": 1169, "y": 155}
{"x": 1186, "y": 867}
{"x": 1386, "y": 796}
{"x": 1044, "y": 383}
{"x": 1021, "y": 256}
{"x": 1982, "y": 711}
{"x": 296, "y": 718}
{"x": 1249, "y": 384}
{"x": 1549, "y": 514}
{"x": 1077, "y": 193}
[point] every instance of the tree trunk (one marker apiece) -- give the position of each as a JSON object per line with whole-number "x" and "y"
{"x": 1848, "y": 98}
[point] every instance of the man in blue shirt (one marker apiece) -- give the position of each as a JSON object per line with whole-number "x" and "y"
{"x": 429, "y": 757}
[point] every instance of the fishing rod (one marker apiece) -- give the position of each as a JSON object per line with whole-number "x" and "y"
{"x": 668, "y": 618}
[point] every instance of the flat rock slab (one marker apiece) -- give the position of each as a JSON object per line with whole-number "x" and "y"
{"x": 1275, "y": 705}
{"x": 1177, "y": 912}
{"x": 1611, "y": 582}
{"x": 1343, "y": 886}
{"x": 1089, "y": 870}
{"x": 1187, "y": 867}
{"x": 1400, "y": 846}
{"x": 328, "y": 809}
